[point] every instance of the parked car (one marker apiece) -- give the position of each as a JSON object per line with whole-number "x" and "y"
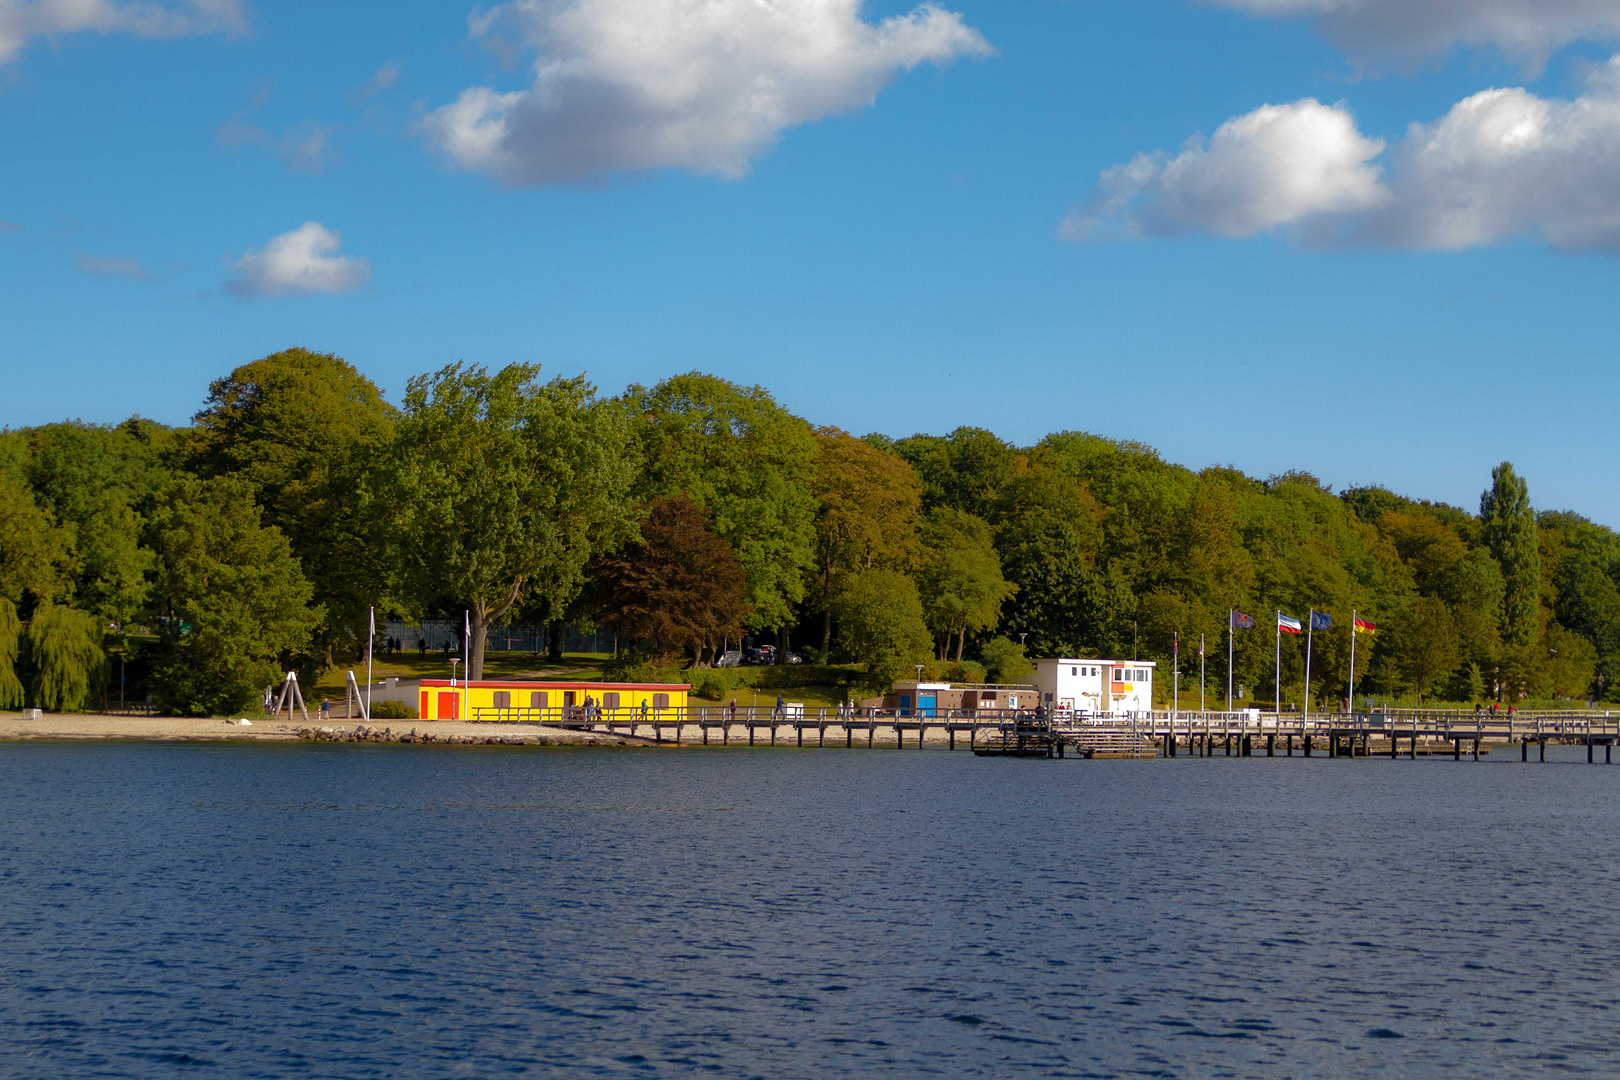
{"x": 729, "y": 658}
{"x": 794, "y": 658}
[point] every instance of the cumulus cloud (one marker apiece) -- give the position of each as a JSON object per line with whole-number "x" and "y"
{"x": 23, "y": 20}
{"x": 1524, "y": 28}
{"x": 701, "y": 85}
{"x": 1499, "y": 164}
{"x": 107, "y": 266}
{"x": 1279, "y": 165}
{"x": 298, "y": 263}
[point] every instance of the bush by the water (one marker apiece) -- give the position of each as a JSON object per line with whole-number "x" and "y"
{"x": 393, "y": 710}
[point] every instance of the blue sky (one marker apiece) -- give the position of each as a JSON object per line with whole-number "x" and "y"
{"x": 917, "y": 231}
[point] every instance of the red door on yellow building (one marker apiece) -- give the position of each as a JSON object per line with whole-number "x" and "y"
{"x": 448, "y": 706}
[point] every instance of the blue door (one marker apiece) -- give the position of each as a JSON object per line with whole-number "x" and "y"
{"x": 905, "y": 705}
{"x": 925, "y": 705}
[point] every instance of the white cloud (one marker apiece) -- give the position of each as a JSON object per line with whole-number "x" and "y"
{"x": 301, "y": 262}
{"x": 23, "y": 20}
{"x": 112, "y": 266}
{"x": 1524, "y": 28}
{"x": 1500, "y": 164}
{"x": 700, "y": 85}
{"x": 1279, "y": 165}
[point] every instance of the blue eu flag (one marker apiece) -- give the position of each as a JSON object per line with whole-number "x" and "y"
{"x": 1320, "y": 621}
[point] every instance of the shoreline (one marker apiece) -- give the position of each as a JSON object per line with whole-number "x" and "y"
{"x": 78, "y": 727}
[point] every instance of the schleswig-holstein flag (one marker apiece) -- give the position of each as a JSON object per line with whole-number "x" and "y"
{"x": 1288, "y": 624}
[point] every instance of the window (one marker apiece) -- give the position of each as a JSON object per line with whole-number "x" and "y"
{"x": 660, "y": 701}
{"x": 537, "y": 699}
{"x": 610, "y": 700}
{"x": 503, "y": 699}
{"x": 1074, "y": 671}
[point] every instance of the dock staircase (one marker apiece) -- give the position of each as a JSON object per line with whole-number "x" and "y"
{"x": 1109, "y": 743}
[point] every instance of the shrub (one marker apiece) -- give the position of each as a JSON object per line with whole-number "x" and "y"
{"x": 393, "y": 710}
{"x": 1005, "y": 662}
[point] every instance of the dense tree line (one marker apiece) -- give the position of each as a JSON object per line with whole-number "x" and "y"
{"x": 695, "y": 512}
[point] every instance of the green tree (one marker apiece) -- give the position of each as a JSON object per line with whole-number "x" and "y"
{"x": 1423, "y": 645}
{"x": 228, "y": 598}
{"x": 964, "y": 470}
{"x": 64, "y": 653}
{"x": 1004, "y": 661}
{"x": 309, "y": 433}
{"x": 880, "y": 624}
{"x": 11, "y": 687}
{"x": 505, "y": 487}
{"x": 750, "y": 465}
{"x": 678, "y": 587}
{"x": 960, "y": 578}
{"x": 1510, "y": 533}
{"x": 92, "y": 479}
{"x": 867, "y": 503}
{"x": 35, "y": 552}
{"x": 1572, "y": 663}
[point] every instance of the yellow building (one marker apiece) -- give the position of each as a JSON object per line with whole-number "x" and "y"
{"x": 442, "y": 699}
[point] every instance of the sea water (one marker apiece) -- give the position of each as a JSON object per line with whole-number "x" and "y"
{"x": 245, "y": 910}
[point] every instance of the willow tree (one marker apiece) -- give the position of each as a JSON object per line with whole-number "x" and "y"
{"x": 503, "y": 488}
{"x": 64, "y": 651}
{"x": 1510, "y": 533}
{"x": 11, "y": 687}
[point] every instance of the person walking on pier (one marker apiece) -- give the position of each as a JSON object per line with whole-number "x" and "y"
{"x": 781, "y": 708}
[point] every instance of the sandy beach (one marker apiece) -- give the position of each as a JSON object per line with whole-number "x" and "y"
{"x": 184, "y": 729}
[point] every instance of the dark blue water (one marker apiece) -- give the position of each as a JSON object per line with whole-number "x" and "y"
{"x": 357, "y": 911}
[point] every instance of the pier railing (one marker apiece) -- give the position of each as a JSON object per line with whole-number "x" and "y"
{"x": 1165, "y": 729}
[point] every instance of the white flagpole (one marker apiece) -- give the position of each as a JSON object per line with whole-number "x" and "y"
{"x": 1201, "y": 673}
{"x": 1279, "y": 664}
{"x": 466, "y": 642}
{"x": 1175, "y": 705}
{"x": 371, "y": 636}
{"x": 1310, "y": 630}
{"x": 1352, "y": 661}
{"x": 1230, "y": 634}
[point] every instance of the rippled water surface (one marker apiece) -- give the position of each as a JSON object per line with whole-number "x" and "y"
{"x": 359, "y": 911}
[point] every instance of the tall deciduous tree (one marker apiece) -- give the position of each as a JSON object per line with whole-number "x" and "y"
{"x": 678, "y": 587}
{"x": 866, "y": 515}
{"x": 92, "y": 479}
{"x": 308, "y": 431}
{"x": 880, "y": 623}
{"x": 506, "y": 486}
{"x": 1510, "y": 533}
{"x": 960, "y": 579}
{"x": 228, "y": 598}
{"x": 749, "y": 464}
{"x": 34, "y": 551}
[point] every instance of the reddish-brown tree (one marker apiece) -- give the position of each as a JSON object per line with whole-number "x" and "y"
{"x": 681, "y": 587}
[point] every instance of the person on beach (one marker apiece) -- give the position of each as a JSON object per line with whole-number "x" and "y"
{"x": 326, "y": 709}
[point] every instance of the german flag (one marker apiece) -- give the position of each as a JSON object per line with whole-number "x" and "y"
{"x": 1365, "y": 627}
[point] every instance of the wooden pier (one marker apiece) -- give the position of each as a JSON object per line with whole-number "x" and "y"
{"x": 1000, "y": 733}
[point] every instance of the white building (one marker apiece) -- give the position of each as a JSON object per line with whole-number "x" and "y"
{"x": 1096, "y": 687}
